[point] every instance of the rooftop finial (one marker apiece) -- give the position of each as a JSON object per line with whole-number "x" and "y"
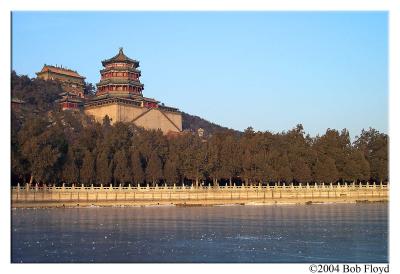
{"x": 121, "y": 50}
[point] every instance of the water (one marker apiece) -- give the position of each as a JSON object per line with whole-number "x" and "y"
{"x": 306, "y": 233}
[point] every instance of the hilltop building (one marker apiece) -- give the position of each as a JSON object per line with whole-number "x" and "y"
{"x": 72, "y": 97}
{"x": 119, "y": 96}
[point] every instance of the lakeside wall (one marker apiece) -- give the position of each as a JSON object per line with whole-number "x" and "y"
{"x": 178, "y": 195}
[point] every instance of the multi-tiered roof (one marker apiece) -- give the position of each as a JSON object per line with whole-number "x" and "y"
{"x": 71, "y": 82}
{"x": 120, "y": 76}
{"x": 120, "y": 82}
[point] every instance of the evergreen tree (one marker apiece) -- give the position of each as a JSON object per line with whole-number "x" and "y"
{"x": 154, "y": 169}
{"x": 104, "y": 167}
{"x": 88, "y": 172}
{"x": 122, "y": 172}
{"x": 301, "y": 171}
{"x": 325, "y": 170}
{"x": 70, "y": 170}
{"x": 137, "y": 168}
{"x": 171, "y": 173}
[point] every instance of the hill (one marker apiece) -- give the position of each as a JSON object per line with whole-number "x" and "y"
{"x": 193, "y": 122}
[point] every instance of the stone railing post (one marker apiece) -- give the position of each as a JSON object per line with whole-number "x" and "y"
{"x": 308, "y": 185}
{"x": 101, "y": 186}
{"x": 63, "y": 187}
{"x": 111, "y": 187}
{"x": 36, "y": 187}
{"x": 330, "y": 185}
{"x": 147, "y": 186}
{"x": 27, "y": 187}
{"x": 18, "y": 187}
{"x": 174, "y": 186}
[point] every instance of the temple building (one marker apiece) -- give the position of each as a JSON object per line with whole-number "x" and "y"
{"x": 72, "y": 97}
{"x": 119, "y": 96}
{"x": 70, "y": 101}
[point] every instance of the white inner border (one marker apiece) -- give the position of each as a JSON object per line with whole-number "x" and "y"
{"x": 392, "y": 6}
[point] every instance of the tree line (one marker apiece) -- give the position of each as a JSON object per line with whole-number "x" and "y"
{"x": 69, "y": 148}
{"x": 53, "y": 147}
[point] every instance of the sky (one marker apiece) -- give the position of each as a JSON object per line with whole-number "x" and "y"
{"x": 267, "y": 70}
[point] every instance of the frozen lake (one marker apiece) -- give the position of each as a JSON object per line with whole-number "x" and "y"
{"x": 285, "y": 233}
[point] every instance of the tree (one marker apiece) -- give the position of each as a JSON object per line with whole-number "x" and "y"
{"x": 171, "y": 173}
{"x": 70, "y": 170}
{"x": 325, "y": 170}
{"x": 283, "y": 169}
{"x": 154, "y": 169}
{"x": 44, "y": 150}
{"x": 213, "y": 165}
{"x": 104, "y": 167}
{"x": 301, "y": 171}
{"x": 122, "y": 172}
{"x": 230, "y": 158}
{"x": 88, "y": 172}
{"x": 137, "y": 168}
{"x": 374, "y": 145}
{"x": 89, "y": 90}
{"x": 193, "y": 158}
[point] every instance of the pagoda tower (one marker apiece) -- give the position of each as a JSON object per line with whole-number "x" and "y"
{"x": 120, "y": 96}
{"x": 120, "y": 76}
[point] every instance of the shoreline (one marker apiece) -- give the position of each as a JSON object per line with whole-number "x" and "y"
{"x": 283, "y": 202}
{"x": 185, "y": 197}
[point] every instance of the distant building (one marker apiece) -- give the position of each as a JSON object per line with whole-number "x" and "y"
{"x": 119, "y": 96}
{"x": 72, "y": 83}
{"x": 70, "y": 101}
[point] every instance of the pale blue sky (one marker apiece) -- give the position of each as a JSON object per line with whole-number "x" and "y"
{"x": 268, "y": 70}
